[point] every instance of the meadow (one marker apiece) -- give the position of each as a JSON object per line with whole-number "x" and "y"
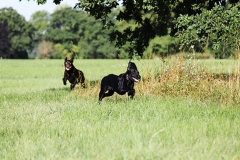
{"x": 183, "y": 109}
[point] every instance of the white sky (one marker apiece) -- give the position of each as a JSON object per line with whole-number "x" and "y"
{"x": 27, "y": 8}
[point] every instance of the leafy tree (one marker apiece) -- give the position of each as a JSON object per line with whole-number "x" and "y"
{"x": 64, "y": 31}
{"x": 217, "y": 27}
{"x": 61, "y": 51}
{"x": 63, "y": 26}
{"x": 70, "y": 27}
{"x": 94, "y": 42}
{"x": 20, "y": 32}
{"x": 147, "y": 27}
{"x": 152, "y": 18}
{"x": 161, "y": 47}
{"x": 40, "y": 21}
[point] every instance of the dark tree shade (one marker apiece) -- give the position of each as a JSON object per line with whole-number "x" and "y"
{"x": 5, "y": 41}
{"x": 20, "y": 32}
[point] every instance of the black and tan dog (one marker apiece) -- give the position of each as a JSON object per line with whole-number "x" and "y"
{"x": 122, "y": 84}
{"x": 72, "y": 74}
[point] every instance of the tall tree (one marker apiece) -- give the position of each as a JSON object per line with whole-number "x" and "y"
{"x": 63, "y": 26}
{"x": 219, "y": 27}
{"x": 20, "y": 32}
{"x": 40, "y": 21}
{"x": 70, "y": 28}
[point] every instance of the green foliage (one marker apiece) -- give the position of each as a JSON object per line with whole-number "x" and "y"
{"x": 217, "y": 27}
{"x": 19, "y": 31}
{"x": 133, "y": 24}
{"x": 40, "y": 21}
{"x": 71, "y": 27}
{"x": 147, "y": 27}
{"x": 61, "y": 51}
{"x": 63, "y": 26}
{"x": 161, "y": 47}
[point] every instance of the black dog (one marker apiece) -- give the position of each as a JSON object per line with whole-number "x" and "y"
{"x": 120, "y": 84}
{"x": 72, "y": 74}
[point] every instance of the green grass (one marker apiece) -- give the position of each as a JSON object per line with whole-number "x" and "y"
{"x": 42, "y": 119}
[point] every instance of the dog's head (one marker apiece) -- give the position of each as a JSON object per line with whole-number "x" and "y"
{"x": 132, "y": 72}
{"x": 68, "y": 64}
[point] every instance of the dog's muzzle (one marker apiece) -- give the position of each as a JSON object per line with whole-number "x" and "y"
{"x": 68, "y": 68}
{"x": 135, "y": 80}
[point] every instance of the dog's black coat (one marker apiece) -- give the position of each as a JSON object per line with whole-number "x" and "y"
{"x": 122, "y": 84}
{"x": 72, "y": 74}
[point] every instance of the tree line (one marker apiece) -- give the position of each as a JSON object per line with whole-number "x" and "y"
{"x": 121, "y": 29}
{"x": 65, "y": 32}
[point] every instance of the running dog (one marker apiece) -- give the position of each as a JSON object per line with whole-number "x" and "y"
{"x": 122, "y": 84}
{"x": 72, "y": 74}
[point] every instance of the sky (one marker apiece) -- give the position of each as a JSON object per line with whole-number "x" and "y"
{"x": 27, "y": 8}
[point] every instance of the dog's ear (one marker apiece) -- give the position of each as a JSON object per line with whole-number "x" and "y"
{"x": 65, "y": 59}
{"x": 129, "y": 66}
{"x": 132, "y": 65}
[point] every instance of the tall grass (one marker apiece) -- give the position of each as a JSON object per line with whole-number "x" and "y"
{"x": 42, "y": 119}
{"x": 195, "y": 80}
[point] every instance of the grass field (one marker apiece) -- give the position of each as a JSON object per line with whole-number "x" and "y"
{"x": 168, "y": 119}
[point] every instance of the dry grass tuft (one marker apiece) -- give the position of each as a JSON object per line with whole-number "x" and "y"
{"x": 193, "y": 81}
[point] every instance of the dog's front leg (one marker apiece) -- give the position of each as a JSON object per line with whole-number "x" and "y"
{"x": 65, "y": 77}
{"x": 131, "y": 93}
{"x": 64, "y": 81}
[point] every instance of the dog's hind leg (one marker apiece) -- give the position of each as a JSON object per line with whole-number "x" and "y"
{"x": 109, "y": 93}
{"x": 73, "y": 84}
{"x": 102, "y": 94}
{"x": 83, "y": 85}
{"x": 81, "y": 78}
